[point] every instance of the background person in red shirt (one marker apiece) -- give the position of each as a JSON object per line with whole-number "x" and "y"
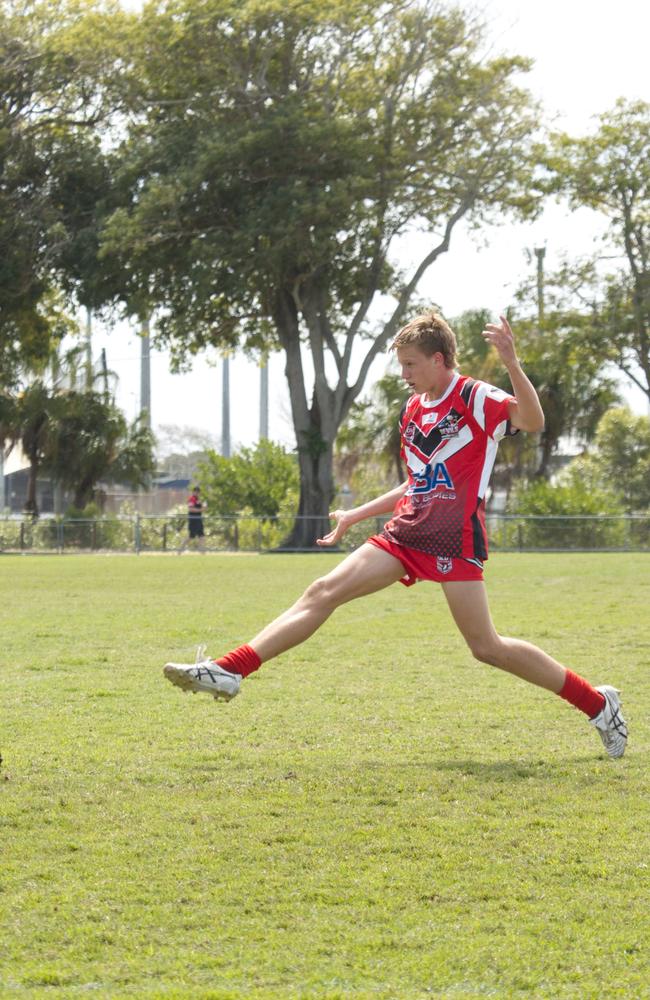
{"x": 195, "y": 529}
{"x": 450, "y": 429}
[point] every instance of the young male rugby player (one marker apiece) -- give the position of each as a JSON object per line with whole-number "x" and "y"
{"x": 450, "y": 429}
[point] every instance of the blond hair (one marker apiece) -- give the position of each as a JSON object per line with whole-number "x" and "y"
{"x": 430, "y": 333}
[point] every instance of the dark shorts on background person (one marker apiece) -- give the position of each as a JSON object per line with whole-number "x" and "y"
{"x": 422, "y": 566}
{"x": 195, "y": 527}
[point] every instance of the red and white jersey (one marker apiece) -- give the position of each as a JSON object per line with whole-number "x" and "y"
{"x": 449, "y": 446}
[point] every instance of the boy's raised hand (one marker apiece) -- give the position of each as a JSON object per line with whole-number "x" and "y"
{"x": 502, "y": 339}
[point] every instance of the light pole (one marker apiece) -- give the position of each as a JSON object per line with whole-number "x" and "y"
{"x": 89, "y": 350}
{"x": 264, "y": 397}
{"x": 225, "y": 405}
{"x": 540, "y": 253}
{"x": 145, "y": 373}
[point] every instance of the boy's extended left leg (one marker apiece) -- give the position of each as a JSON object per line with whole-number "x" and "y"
{"x": 469, "y": 606}
{"x": 363, "y": 572}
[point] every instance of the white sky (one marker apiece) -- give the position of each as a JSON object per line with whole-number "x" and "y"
{"x": 585, "y": 57}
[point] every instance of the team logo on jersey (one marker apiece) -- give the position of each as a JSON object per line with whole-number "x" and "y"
{"x": 449, "y": 427}
{"x": 444, "y": 564}
{"x": 409, "y": 433}
{"x": 429, "y": 418}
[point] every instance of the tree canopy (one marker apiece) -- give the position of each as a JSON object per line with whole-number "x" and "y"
{"x": 609, "y": 171}
{"x": 245, "y": 169}
{"x": 254, "y": 479}
{"x": 56, "y": 89}
{"x": 276, "y": 151}
{"x": 620, "y": 459}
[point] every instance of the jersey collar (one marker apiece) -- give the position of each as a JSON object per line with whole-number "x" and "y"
{"x": 428, "y": 403}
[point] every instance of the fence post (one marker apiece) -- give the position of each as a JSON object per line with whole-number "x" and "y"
{"x": 22, "y": 536}
{"x": 164, "y": 538}
{"x": 137, "y": 534}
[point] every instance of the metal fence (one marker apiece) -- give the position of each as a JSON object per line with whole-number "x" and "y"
{"x": 141, "y": 533}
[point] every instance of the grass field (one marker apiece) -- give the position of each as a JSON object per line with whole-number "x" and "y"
{"x": 376, "y": 816}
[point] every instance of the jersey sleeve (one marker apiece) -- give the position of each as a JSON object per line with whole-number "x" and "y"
{"x": 402, "y": 414}
{"x": 489, "y": 407}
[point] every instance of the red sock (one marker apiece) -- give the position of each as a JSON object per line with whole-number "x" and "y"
{"x": 243, "y": 660}
{"x": 580, "y": 693}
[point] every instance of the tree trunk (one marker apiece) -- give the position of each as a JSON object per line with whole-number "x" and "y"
{"x": 83, "y": 494}
{"x": 315, "y": 427}
{"x": 316, "y": 493}
{"x": 31, "y": 505}
{"x": 546, "y": 446}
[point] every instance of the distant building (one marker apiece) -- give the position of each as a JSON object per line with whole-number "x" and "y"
{"x": 166, "y": 492}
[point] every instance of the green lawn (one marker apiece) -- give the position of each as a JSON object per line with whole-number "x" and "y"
{"x": 376, "y": 816}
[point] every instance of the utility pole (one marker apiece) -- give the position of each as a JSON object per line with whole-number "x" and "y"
{"x": 145, "y": 374}
{"x": 104, "y": 371}
{"x": 264, "y": 397}
{"x": 540, "y": 253}
{"x": 225, "y": 405}
{"x": 89, "y": 350}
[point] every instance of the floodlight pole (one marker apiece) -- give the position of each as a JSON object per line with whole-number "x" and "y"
{"x": 264, "y": 397}
{"x": 103, "y": 364}
{"x": 540, "y": 253}
{"x": 225, "y": 405}
{"x": 89, "y": 350}
{"x": 145, "y": 374}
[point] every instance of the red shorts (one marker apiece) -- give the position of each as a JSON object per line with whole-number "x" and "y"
{"x": 422, "y": 566}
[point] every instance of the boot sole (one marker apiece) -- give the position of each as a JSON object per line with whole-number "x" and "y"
{"x": 181, "y": 679}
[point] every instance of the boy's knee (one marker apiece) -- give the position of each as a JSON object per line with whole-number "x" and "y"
{"x": 486, "y": 651}
{"x": 319, "y": 592}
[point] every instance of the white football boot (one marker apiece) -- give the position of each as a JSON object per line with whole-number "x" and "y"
{"x": 205, "y": 675}
{"x": 610, "y": 723}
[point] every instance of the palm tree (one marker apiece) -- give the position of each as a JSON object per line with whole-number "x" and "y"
{"x": 371, "y": 433}
{"x": 93, "y": 441}
{"x": 34, "y": 422}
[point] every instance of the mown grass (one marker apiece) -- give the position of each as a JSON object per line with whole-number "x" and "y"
{"x": 376, "y": 816}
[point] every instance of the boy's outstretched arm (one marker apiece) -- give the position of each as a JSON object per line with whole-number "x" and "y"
{"x": 385, "y": 504}
{"x": 526, "y": 414}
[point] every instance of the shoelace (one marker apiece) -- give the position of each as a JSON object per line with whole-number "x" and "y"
{"x": 201, "y": 654}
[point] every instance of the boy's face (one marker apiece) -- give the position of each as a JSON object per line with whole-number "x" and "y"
{"x": 420, "y": 371}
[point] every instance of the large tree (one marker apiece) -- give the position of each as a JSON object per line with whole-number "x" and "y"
{"x": 609, "y": 171}
{"x": 277, "y": 152}
{"x": 57, "y": 86}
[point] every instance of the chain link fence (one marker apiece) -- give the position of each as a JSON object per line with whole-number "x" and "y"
{"x": 141, "y": 533}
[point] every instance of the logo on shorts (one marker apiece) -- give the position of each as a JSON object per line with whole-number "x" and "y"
{"x": 444, "y": 564}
